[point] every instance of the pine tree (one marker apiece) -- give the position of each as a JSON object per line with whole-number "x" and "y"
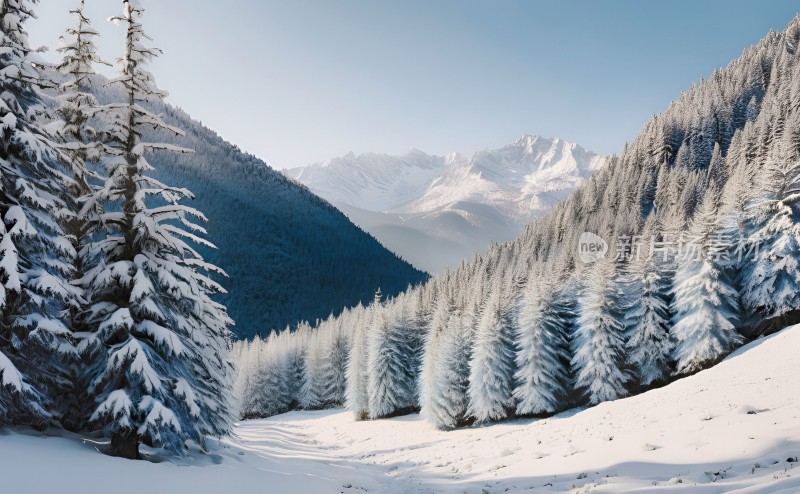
{"x": 543, "y": 356}
{"x": 245, "y": 354}
{"x": 390, "y": 365}
{"x": 445, "y": 368}
{"x": 81, "y": 145}
{"x": 78, "y": 106}
{"x": 33, "y": 247}
{"x": 705, "y": 305}
{"x": 357, "y": 379}
{"x": 647, "y": 320}
{"x": 772, "y": 277}
{"x": 492, "y": 366}
{"x": 160, "y": 368}
{"x": 334, "y": 372}
{"x": 599, "y": 344}
{"x": 312, "y": 391}
{"x": 270, "y": 390}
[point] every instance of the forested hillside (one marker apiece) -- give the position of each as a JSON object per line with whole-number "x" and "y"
{"x": 289, "y": 255}
{"x": 701, "y": 218}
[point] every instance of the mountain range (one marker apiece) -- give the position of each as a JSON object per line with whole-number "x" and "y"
{"x": 435, "y": 211}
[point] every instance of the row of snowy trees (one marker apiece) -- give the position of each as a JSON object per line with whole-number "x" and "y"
{"x": 107, "y": 321}
{"x": 702, "y": 215}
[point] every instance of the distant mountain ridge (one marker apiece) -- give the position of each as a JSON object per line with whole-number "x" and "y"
{"x": 436, "y": 210}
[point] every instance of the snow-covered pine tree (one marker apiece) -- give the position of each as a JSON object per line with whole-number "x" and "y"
{"x": 33, "y": 249}
{"x": 334, "y": 370}
{"x": 732, "y": 224}
{"x": 161, "y": 374}
{"x": 445, "y": 369}
{"x": 270, "y": 390}
{"x": 544, "y": 320}
{"x": 390, "y": 364}
{"x": 647, "y": 317}
{"x": 78, "y": 106}
{"x": 599, "y": 343}
{"x": 81, "y": 145}
{"x": 312, "y": 390}
{"x": 245, "y": 356}
{"x": 705, "y": 308}
{"x": 357, "y": 380}
{"x": 492, "y": 366}
{"x": 772, "y": 277}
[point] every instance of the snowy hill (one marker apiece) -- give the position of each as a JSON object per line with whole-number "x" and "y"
{"x": 289, "y": 255}
{"x": 436, "y": 210}
{"x": 732, "y": 428}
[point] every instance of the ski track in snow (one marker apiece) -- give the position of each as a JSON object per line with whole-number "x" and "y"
{"x": 732, "y": 428}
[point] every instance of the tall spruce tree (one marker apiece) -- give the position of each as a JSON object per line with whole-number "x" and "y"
{"x": 335, "y": 369}
{"x": 357, "y": 379}
{"x": 161, "y": 374}
{"x": 390, "y": 366}
{"x": 544, "y": 320}
{"x": 445, "y": 370}
{"x": 772, "y": 277}
{"x": 599, "y": 343}
{"x": 312, "y": 391}
{"x": 705, "y": 311}
{"x": 83, "y": 146}
{"x": 492, "y": 366}
{"x": 33, "y": 247}
{"x": 647, "y": 318}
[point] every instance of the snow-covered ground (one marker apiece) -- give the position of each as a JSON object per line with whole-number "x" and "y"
{"x": 733, "y": 428}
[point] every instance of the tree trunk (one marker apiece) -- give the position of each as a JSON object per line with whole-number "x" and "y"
{"x": 125, "y": 445}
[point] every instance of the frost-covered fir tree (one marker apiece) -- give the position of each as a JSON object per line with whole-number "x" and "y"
{"x": 311, "y": 394}
{"x": 445, "y": 367}
{"x": 599, "y": 343}
{"x": 333, "y": 372}
{"x": 33, "y": 248}
{"x": 705, "y": 307}
{"x": 390, "y": 365}
{"x": 357, "y": 394}
{"x": 161, "y": 374}
{"x": 81, "y": 145}
{"x": 272, "y": 381}
{"x": 544, "y": 319}
{"x": 647, "y": 317}
{"x": 492, "y": 366}
{"x": 247, "y": 364}
{"x": 772, "y": 274}
{"x": 78, "y": 106}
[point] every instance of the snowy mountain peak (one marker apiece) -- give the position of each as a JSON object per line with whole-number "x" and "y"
{"x": 527, "y": 141}
{"x": 454, "y": 157}
{"x": 451, "y": 206}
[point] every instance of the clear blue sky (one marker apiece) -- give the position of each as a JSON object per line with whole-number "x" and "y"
{"x": 299, "y": 81}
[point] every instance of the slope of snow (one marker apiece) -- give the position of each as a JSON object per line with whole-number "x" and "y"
{"x": 457, "y": 206}
{"x": 733, "y": 428}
